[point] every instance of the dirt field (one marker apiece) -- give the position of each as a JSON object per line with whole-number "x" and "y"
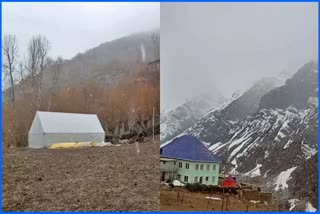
{"x": 87, "y": 179}
{"x": 189, "y": 201}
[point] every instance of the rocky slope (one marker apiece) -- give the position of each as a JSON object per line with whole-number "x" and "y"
{"x": 297, "y": 184}
{"x": 273, "y": 139}
{"x": 175, "y": 121}
{"x": 215, "y": 125}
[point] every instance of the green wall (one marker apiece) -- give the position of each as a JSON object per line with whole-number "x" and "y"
{"x": 192, "y": 172}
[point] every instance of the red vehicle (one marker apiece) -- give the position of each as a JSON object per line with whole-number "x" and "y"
{"x": 229, "y": 181}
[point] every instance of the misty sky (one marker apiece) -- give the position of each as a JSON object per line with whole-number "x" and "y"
{"x": 227, "y": 46}
{"x": 75, "y": 27}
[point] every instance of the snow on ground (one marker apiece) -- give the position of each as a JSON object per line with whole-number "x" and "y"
{"x": 255, "y": 172}
{"x": 266, "y": 173}
{"x": 310, "y": 208}
{"x": 236, "y": 150}
{"x": 233, "y": 171}
{"x": 281, "y": 134}
{"x": 307, "y": 151}
{"x": 168, "y": 126}
{"x": 214, "y": 198}
{"x": 219, "y": 147}
{"x": 235, "y": 96}
{"x": 287, "y": 144}
{"x": 266, "y": 154}
{"x": 313, "y": 101}
{"x": 177, "y": 183}
{"x": 237, "y": 141}
{"x": 283, "y": 177}
{"x": 211, "y": 148}
{"x": 293, "y": 203}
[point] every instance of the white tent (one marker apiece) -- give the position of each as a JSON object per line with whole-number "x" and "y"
{"x": 52, "y": 127}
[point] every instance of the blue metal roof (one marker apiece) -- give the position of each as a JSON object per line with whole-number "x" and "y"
{"x": 188, "y": 147}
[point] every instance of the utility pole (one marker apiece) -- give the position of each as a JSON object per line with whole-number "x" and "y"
{"x": 153, "y": 124}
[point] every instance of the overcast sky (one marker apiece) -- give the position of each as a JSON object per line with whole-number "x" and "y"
{"x": 76, "y": 27}
{"x": 227, "y": 46}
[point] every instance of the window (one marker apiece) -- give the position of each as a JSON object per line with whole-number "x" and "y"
{"x": 214, "y": 167}
{"x": 174, "y": 163}
{"x": 185, "y": 178}
{"x": 213, "y": 180}
{"x": 200, "y": 180}
{"x": 207, "y": 178}
{"x": 197, "y": 166}
{"x": 180, "y": 165}
{"x": 201, "y": 167}
{"x": 208, "y": 167}
{"x": 179, "y": 177}
{"x": 196, "y": 179}
{"x": 187, "y": 166}
{"x": 164, "y": 162}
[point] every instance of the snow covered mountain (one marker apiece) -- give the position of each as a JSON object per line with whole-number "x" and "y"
{"x": 215, "y": 125}
{"x": 176, "y": 121}
{"x": 269, "y": 134}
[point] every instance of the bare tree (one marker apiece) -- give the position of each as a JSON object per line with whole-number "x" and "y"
{"x": 9, "y": 54}
{"x": 56, "y": 73}
{"x": 37, "y": 53}
{"x": 21, "y": 71}
{"x": 156, "y": 45}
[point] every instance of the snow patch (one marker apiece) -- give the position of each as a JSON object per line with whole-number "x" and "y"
{"x": 307, "y": 151}
{"x": 214, "y": 198}
{"x": 266, "y": 154}
{"x": 265, "y": 174}
{"x": 211, "y": 148}
{"x": 233, "y": 171}
{"x": 283, "y": 177}
{"x": 236, "y": 150}
{"x": 177, "y": 183}
{"x": 287, "y": 144}
{"x": 313, "y": 101}
{"x": 255, "y": 172}
{"x": 310, "y": 208}
{"x": 293, "y": 203}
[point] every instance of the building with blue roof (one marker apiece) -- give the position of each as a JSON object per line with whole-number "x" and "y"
{"x": 188, "y": 160}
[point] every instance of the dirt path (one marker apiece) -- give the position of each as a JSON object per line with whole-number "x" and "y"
{"x": 87, "y": 179}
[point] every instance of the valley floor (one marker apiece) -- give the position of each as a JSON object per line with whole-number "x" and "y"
{"x": 171, "y": 200}
{"x": 86, "y": 179}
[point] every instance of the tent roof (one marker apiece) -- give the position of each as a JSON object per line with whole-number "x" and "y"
{"x": 190, "y": 148}
{"x": 56, "y": 122}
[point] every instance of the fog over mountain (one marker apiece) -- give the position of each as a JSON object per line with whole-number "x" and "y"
{"x": 76, "y": 27}
{"x": 229, "y": 46}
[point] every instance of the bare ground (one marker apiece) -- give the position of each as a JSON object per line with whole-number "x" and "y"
{"x": 171, "y": 200}
{"x": 86, "y": 179}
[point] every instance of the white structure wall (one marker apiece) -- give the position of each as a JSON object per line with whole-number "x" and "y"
{"x": 51, "y": 127}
